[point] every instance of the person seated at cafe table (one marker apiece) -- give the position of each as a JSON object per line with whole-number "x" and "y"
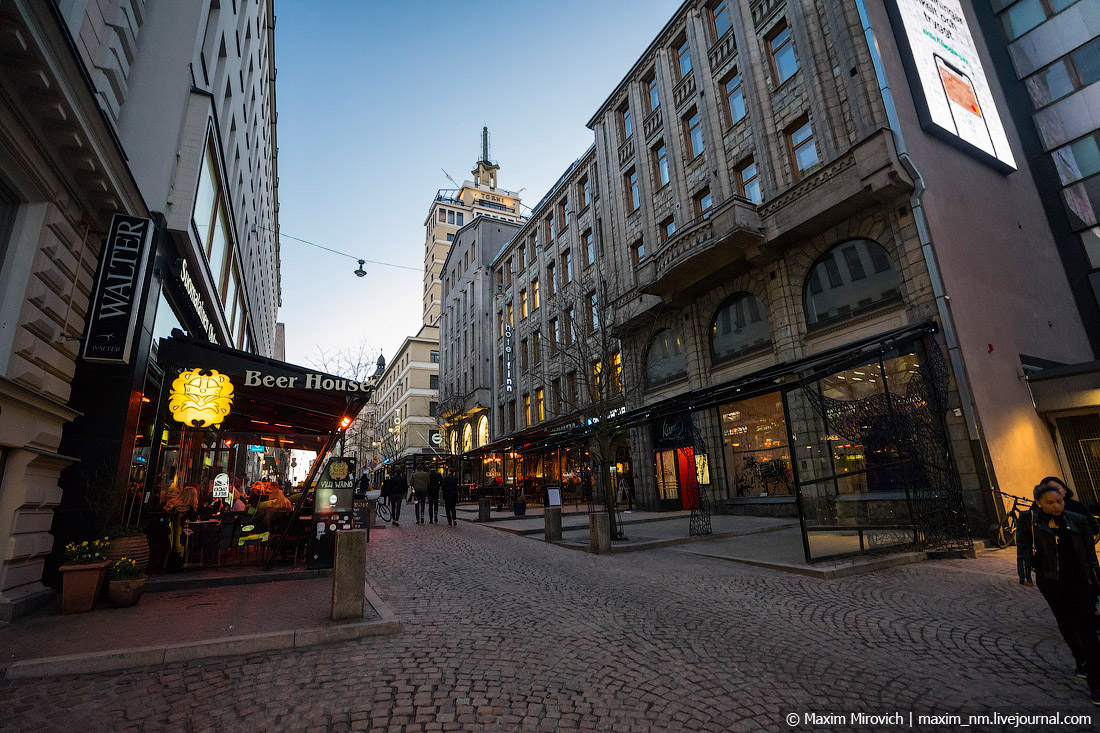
{"x": 186, "y": 502}
{"x": 277, "y": 500}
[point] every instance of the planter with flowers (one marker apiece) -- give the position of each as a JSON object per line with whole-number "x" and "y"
{"x": 82, "y": 575}
{"x": 126, "y": 583}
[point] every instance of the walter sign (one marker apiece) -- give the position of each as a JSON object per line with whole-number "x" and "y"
{"x": 109, "y": 332}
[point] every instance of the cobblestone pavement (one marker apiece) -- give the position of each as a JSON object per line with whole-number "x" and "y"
{"x": 503, "y": 633}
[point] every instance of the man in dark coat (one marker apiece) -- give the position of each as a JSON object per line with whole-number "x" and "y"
{"x": 393, "y": 490}
{"x": 450, "y": 496}
{"x": 435, "y": 482}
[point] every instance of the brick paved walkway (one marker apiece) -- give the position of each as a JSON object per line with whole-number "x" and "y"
{"x": 503, "y": 633}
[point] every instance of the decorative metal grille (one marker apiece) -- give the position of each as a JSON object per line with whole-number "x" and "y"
{"x": 700, "y": 512}
{"x": 913, "y": 424}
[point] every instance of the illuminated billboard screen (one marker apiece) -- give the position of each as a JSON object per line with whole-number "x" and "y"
{"x": 949, "y": 86}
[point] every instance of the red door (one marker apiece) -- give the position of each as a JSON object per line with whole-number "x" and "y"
{"x": 689, "y": 479}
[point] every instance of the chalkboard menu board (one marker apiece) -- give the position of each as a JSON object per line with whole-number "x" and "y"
{"x": 333, "y": 510}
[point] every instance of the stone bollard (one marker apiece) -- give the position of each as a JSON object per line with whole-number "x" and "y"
{"x": 599, "y": 533}
{"x": 552, "y": 523}
{"x": 483, "y": 509}
{"x": 349, "y": 572}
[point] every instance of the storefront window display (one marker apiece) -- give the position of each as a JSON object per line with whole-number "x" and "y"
{"x": 754, "y": 438}
{"x": 856, "y": 468}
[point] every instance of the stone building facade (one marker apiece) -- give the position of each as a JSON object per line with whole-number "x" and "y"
{"x": 786, "y": 246}
{"x": 466, "y": 333}
{"x": 152, "y": 109}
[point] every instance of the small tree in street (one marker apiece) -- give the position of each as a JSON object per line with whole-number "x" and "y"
{"x": 358, "y": 363}
{"x": 583, "y": 341}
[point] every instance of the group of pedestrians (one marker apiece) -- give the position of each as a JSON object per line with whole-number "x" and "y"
{"x": 425, "y": 488}
{"x": 1055, "y": 545}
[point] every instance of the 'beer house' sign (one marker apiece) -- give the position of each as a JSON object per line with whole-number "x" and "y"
{"x": 109, "y": 332}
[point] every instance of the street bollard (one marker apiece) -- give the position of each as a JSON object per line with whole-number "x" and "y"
{"x": 599, "y": 533}
{"x": 552, "y": 523}
{"x": 483, "y": 509}
{"x": 349, "y": 572}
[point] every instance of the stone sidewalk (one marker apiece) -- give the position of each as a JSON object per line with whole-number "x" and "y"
{"x": 176, "y": 625}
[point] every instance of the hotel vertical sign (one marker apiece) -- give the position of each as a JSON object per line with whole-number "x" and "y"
{"x": 109, "y": 331}
{"x": 509, "y": 380}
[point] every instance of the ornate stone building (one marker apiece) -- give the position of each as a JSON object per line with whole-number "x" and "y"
{"x": 824, "y": 300}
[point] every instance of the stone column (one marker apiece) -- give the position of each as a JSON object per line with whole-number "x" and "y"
{"x": 599, "y": 533}
{"x": 552, "y": 523}
{"x": 349, "y": 573}
{"x": 483, "y": 509}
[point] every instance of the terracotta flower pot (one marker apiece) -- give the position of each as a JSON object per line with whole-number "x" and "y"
{"x": 80, "y": 586}
{"x": 125, "y": 593}
{"x": 136, "y": 548}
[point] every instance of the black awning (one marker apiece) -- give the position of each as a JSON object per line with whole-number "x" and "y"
{"x": 774, "y": 377}
{"x": 269, "y": 396}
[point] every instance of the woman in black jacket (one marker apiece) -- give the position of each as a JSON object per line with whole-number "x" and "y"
{"x": 1057, "y": 546}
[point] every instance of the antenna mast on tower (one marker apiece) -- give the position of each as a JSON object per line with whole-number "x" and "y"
{"x": 485, "y": 145}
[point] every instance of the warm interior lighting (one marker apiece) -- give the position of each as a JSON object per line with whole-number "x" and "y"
{"x": 201, "y": 397}
{"x": 345, "y": 422}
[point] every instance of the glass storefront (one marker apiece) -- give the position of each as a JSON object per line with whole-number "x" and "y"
{"x": 857, "y": 471}
{"x": 754, "y": 439}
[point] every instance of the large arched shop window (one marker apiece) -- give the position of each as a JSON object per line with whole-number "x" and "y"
{"x": 665, "y": 360}
{"x": 850, "y": 278}
{"x": 467, "y": 438}
{"x": 740, "y": 326}
{"x": 483, "y": 431}
{"x": 454, "y": 442}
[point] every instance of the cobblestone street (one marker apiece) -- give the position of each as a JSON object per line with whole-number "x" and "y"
{"x": 504, "y": 633}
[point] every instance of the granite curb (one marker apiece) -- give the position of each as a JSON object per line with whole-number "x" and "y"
{"x": 120, "y": 659}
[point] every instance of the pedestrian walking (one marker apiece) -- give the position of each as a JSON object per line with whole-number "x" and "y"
{"x": 1057, "y": 546}
{"x": 420, "y": 487}
{"x": 362, "y": 486}
{"x": 450, "y": 496}
{"x": 435, "y": 482}
{"x": 393, "y": 491}
{"x": 1088, "y": 511}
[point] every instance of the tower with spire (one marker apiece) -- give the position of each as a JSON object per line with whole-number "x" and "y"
{"x": 454, "y": 208}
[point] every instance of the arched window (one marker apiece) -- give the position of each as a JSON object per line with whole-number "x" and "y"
{"x": 467, "y": 438}
{"x": 740, "y": 325}
{"x": 454, "y": 442}
{"x": 665, "y": 359}
{"x": 483, "y": 431}
{"x": 850, "y": 278}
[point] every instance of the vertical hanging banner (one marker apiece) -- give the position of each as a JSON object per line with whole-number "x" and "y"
{"x": 950, "y": 89}
{"x": 109, "y": 330}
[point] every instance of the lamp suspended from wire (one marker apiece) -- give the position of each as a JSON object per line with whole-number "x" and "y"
{"x": 360, "y": 272}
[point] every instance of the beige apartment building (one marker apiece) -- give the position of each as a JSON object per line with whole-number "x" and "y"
{"x": 405, "y": 402}
{"x": 815, "y": 319}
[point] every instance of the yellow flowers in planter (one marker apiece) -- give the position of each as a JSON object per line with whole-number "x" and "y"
{"x": 83, "y": 553}
{"x": 125, "y": 569}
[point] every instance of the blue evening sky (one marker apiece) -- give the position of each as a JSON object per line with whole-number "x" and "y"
{"x": 375, "y": 98}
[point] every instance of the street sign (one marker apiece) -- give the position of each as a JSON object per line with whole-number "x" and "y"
{"x": 256, "y": 449}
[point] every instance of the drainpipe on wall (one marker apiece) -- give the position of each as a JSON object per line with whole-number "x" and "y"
{"x": 943, "y": 305}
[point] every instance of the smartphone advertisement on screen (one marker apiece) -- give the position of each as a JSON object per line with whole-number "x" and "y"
{"x": 949, "y": 85}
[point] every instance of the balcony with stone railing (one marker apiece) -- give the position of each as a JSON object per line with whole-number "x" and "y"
{"x": 706, "y": 248}
{"x": 684, "y": 91}
{"x": 652, "y": 124}
{"x": 762, "y": 10}
{"x": 626, "y": 152}
{"x": 722, "y": 51}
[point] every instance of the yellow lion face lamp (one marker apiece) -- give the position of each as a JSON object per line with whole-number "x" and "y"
{"x": 201, "y": 398}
